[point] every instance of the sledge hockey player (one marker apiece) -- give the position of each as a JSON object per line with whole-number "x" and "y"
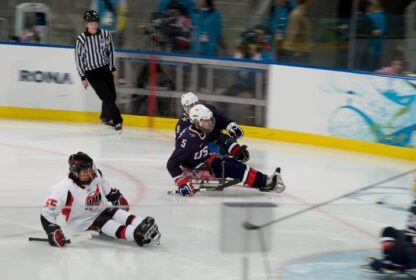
{"x": 219, "y": 142}
{"x": 398, "y": 247}
{"x": 191, "y": 152}
{"x": 83, "y": 198}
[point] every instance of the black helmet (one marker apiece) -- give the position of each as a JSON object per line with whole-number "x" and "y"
{"x": 78, "y": 162}
{"x": 91, "y": 16}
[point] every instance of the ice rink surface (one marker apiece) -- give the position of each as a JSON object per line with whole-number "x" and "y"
{"x": 201, "y": 236}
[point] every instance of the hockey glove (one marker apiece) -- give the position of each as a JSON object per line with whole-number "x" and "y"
{"x": 116, "y": 198}
{"x": 56, "y": 238}
{"x": 185, "y": 187}
{"x": 234, "y": 130}
{"x": 240, "y": 153}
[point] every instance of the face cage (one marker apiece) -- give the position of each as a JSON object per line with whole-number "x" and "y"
{"x": 76, "y": 174}
{"x": 199, "y": 125}
{"x": 186, "y": 108}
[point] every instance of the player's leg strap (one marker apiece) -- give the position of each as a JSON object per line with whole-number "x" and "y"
{"x": 103, "y": 218}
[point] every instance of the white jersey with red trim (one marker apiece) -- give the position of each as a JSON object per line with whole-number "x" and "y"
{"x": 80, "y": 207}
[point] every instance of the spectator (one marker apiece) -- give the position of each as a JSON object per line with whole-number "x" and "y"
{"x": 172, "y": 32}
{"x": 207, "y": 30}
{"x": 263, "y": 42}
{"x": 297, "y": 44}
{"x": 379, "y": 22}
{"x": 113, "y": 17}
{"x": 279, "y": 20}
{"x": 363, "y": 34}
{"x": 29, "y": 35}
{"x": 179, "y": 29}
{"x": 187, "y": 4}
{"x": 244, "y": 83}
{"x": 397, "y": 67}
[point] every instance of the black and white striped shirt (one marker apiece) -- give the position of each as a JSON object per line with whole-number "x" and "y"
{"x": 411, "y": 223}
{"x": 93, "y": 51}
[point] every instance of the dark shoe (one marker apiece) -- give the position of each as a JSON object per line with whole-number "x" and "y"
{"x": 118, "y": 126}
{"x": 106, "y": 122}
{"x": 147, "y": 232}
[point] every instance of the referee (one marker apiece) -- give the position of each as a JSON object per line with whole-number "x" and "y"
{"x": 94, "y": 56}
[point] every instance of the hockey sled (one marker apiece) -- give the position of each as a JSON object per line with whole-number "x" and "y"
{"x": 214, "y": 185}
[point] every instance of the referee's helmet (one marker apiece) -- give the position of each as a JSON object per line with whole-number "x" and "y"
{"x": 91, "y": 16}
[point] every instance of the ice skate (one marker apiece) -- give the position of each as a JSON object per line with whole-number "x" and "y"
{"x": 147, "y": 233}
{"x": 274, "y": 182}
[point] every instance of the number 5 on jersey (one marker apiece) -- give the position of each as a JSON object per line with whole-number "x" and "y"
{"x": 183, "y": 143}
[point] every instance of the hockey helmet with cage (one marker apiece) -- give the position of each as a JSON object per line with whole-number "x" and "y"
{"x": 91, "y": 16}
{"x": 188, "y": 100}
{"x": 78, "y": 162}
{"x": 199, "y": 115}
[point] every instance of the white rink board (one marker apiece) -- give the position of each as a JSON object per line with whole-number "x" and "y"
{"x": 348, "y": 105}
{"x": 63, "y": 91}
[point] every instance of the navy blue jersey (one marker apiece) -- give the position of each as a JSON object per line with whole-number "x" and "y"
{"x": 191, "y": 150}
{"x": 221, "y": 122}
{"x": 183, "y": 122}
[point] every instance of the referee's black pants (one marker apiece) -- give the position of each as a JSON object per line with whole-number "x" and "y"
{"x": 102, "y": 81}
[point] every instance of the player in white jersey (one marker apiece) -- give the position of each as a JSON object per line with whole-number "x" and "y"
{"x": 88, "y": 202}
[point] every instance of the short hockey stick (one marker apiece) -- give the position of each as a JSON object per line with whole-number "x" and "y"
{"x": 220, "y": 187}
{"x": 74, "y": 238}
{"x": 67, "y": 241}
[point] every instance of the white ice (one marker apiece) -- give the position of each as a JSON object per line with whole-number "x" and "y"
{"x": 327, "y": 242}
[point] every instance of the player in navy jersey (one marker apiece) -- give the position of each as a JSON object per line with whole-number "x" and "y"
{"x": 191, "y": 152}
{"x": 219, "y": 142}
{"x": 398, "y": 247}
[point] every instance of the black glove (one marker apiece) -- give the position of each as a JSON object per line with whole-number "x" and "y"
{"x": 116, "y": 198}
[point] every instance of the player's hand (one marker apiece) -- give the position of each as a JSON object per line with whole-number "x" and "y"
{"x": 56, "y": 238}
{"x": 85, "y": 83}
{"x": 185, "y": 187}
{"x": 235, "y": 131}
{"x": 116, "y": 198}
{"x": 123, "y": 203}
{"x": 186, "y": 190}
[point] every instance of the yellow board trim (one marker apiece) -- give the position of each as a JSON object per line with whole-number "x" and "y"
{"x": 250, "y": 131}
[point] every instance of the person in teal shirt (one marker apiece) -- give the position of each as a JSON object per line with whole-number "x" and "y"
{"x": 207, "y": 29}
{"x": 378, "y": 19}
{"x": 112, "y": 14}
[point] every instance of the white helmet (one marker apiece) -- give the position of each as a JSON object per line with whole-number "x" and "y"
{"x": 188, "y": 100}
{"x": 199, "y": 115}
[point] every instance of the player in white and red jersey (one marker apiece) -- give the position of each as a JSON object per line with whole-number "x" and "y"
{"x": 88, "y": 202}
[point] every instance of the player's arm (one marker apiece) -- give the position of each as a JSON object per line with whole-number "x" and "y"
{"x": 49, "y": 214}
{"x": 80, "y": 58}
{"x": 223, "y": 122}
{"x": 111, "y": 52}
{"x": 114, "y": 196}
{"x": 181, "y": 125}
{"x": 178, "y": 129}
{"x": 184, "y": 149}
